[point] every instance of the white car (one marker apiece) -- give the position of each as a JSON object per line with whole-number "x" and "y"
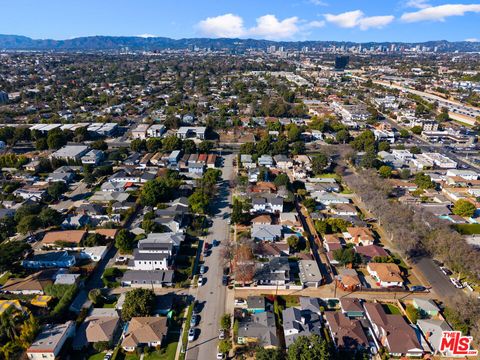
{"x": 200, "y": 280}
{"x": 220, "y": 356}
{"x": 121, "y": 259}
{"x": 457, "y": 283}
{"x": 240, "y": 302}
{"x": 191, "y": 334}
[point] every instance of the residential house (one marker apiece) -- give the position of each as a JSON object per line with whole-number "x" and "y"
{"x": 256, "y": 304}
{"x": 72, "y": 238}
{"x": 298, "y": 323}
{"x": 267, "y": 204}
{"x": 348, "y": 280}
{"x": 185, "y": 132}
{"x": 144, "y": 331}
{"x": 49, "y": 343}
{"x": 276, "y": 272}
{"x": 352, "y": 307}
{"x": 258, "y": 329}
{"x": 267, "y": 232}
{"x": 140, "y": 131}
{"x": 101, "y": 325}
{"x": 310, "y": 274}
{"x": 156, "y": 130}
{"x": 268, "y": 249}
{"x": 291, "y": 220}
{"x": 359, "y": 236}
{"x": 56, "y": 259}
{"x": 386, "y": 274}
{"x": 247, "y": 161}
{"x": 393, "y": 332}
{"x": 433, "y": 330}
{"x": 265, "y": 160}
{"x": 343, "y": 209}
{"x": 148, "y": 278}
{"x": 264, "y": 219}
{"x": 70, "y": 152}
{"x": 33, "y": 284}
{"x": 93, "y": 157}
{"x": 369, "y": 252}
{"x": 283, "y": 161}
{"x": 347, "y": 333}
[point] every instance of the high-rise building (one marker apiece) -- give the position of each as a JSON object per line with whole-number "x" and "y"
{"x": 341, "y": 62}
{"x": 3, "y": 97}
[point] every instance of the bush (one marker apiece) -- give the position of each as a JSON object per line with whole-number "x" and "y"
{"x": 225, "y": 321}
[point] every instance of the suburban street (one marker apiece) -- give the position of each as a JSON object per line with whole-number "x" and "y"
{"x": 212, "y": 295}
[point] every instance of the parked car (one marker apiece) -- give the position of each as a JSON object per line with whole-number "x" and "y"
{"x": 417, "y": 288}
{"x": 221, "y": 334}
{"x": 191, "y": 334}
{"x": 457, "y": 283}
{"x": 220, "y": 356}
{"x": 193, "y": 321}
{"x": 200, "y": 280}
{"x": 121, "y": 259}
{"x": 225, "y": 280}
{"x": 196, "y": 307}
{"x": 445, "y": 271}
{"x": 240, "y": 302}
{"x": 108, "y": 355}
{"x": 202, "y": 269}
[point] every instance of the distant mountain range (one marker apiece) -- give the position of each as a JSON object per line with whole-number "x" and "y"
{"x": 99, "y": 43}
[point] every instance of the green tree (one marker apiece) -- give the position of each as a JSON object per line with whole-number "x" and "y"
{"x": 417, "y": 129}
{"x": 346, "y": 256}
{"x": 125, "y": 241}
{"x": 224, "y": 346}
{"x": 199, "y": 202}
{"x": 294, "y": 133}
{"x": 415, "y": 150}
{"x": 281, "y": 180}
{"x": 57, "y": 189}
{"x": 99, "y": 145}
{"x": 293, "y": 243}
{"x": 189, "y": 147}
{"x": 56, "y": 139}
{"x": 154, "y": 144}
{"x": 138, "y": 145}
{"x": 319, "y": 163}
{"x": 342, "y": 136}
{"x": 423, "y": 181}
{"x": 225, "y": 321}
{"x": 310, "y": 348}
{"x": 29, "y": 224}
{"x": 171, "y": 143}
{"x": 205, "y": 146}
{"x": 364, "y": 142}
{"x": 385, "y": 171}
{"x": 95, "y": 240}
{"x": 383, "y": 146}
{"x": 138, "y": 302}
{"x": 269, "y": 354}
{"x": 404, "y": 133}
{"x": 95, "y": 296}
{"x": 50, "y": 217}
{"x": 10, "y": 253}
{"x": 464, "y": 208}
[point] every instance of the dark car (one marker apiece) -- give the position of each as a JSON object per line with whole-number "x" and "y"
{"x": 417, "y": 288}
{"x": 225, "y": 280}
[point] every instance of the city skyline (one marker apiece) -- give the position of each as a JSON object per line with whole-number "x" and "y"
{"x": 356, "y": 21}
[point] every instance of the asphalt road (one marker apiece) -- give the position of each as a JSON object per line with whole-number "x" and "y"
{"x": 440, "y": 283}
{"x": 212, "y": 295}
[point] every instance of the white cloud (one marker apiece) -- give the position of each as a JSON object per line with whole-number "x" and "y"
{"x": 318, "y": 2}
{"x": 419, "y": 4}
{"x": 315, "y": 24}
{"x": 439, "y": 13}
{"x": 472, "y": 40}
{"x": 147, "y": 36}
{"x": 267, "y": 27}
{"x": 351, "y": 19}
{"x": 228, "y": 26}
{"x": 347, "y": 19}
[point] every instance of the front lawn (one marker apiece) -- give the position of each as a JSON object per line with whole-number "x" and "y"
{"x": 98, "y": 356}
{"x": 391, "y": 309}
{"x": 3, "y": 279}
{"x": 468, "y": 229}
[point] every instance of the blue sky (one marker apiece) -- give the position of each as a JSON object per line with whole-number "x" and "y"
{"x": 353, "y": 20}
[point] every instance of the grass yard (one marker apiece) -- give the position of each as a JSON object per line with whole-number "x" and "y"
{"x": 391, "y": 309}
{"x": 290, "y": 300}
{"x": 167, "y": 353}
{"x": 98, "y": 356}
{"x": 5, "y": 276}
{"x": 468, "y": 229}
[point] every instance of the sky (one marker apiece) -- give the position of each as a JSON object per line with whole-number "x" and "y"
{"x": 339, "y": 20}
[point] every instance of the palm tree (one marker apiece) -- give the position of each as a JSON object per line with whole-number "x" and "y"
{"x": 9, "y": 322}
